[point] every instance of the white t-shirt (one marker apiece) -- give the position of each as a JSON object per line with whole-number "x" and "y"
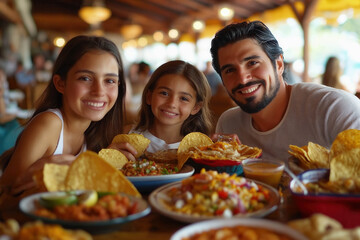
{"x": 156, "y": 143}
{"x": 315, "y": 113}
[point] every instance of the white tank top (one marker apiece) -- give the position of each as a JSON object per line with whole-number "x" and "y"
{"x": 60, "y": 145}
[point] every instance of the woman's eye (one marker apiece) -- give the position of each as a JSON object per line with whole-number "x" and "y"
{"x": 112, "y": 81}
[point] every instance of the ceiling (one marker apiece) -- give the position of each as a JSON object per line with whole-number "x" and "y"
{"x": 152, "y": 15}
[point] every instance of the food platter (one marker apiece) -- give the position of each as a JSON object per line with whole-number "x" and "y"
{"x": 219, "y": 223}
{"x": 150, "y": 183}
{"x": 158, "y": 197}
{"x": 28, "y": 206}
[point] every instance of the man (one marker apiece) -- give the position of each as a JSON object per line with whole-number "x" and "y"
{"x": 272, "y": 114}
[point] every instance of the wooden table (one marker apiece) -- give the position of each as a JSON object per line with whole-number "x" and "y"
{"x": 159, "y": 227}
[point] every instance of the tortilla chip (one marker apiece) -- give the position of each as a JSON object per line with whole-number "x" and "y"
{"x": 54, "y": 176}
{"x": 194, "y": 139}
{"x": 138, "y": 141}
{"x": 344, "y": 141}
{"x": 90, "y": 172}
{"x": 345, "y": 165}
{"x": 301, "y": 154}
{"x": 318, "y": 155}
{"x": 114, "y": 157}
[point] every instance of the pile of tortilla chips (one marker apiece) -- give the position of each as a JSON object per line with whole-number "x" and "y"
{"x": 311, "y": 156}
{"x": 322, "y": 227}
{"x": 195, "y": 145}
{"x": 88, "y": 172}
{"x": 343, "y": 159}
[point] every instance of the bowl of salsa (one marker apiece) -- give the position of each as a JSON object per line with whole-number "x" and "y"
{"x": 264, "y": 170}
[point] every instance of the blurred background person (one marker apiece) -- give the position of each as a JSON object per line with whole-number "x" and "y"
{"x": 332, "y": 74}
{"x": 10, "y": 128}
{"x": 212, "y": 77}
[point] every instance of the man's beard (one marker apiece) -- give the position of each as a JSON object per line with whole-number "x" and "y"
{"x": 253, "y": 107}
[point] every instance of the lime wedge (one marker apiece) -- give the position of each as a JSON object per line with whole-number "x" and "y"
{"x": 57, "y": 198}
{"x": 88, "y": 198}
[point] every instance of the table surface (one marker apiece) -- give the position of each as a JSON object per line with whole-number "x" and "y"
{"x": 156, "y": 226}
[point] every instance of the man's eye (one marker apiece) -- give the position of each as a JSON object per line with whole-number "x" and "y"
{"x": 252, "y": 63}
{"x": 229, "y": 70}
{"x": 84, "y": 78}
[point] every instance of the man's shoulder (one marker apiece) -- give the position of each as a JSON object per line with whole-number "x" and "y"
{"x": 231, "y": 114}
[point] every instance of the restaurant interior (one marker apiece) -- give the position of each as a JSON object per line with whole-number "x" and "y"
{"x": 33, "y": 32}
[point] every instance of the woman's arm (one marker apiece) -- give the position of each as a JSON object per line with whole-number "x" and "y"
{"x": 38, "y": 140}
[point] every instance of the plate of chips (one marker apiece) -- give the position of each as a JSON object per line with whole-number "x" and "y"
{"x": 70, "y": 210}
{"x": 198, "y": 150}
{"x": 334, "y": 191}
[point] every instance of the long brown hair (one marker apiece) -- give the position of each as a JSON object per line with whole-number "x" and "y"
{"x": 201, "y": 121}
{"x": 99, "y": 134}
{"x": 332, "y": 73}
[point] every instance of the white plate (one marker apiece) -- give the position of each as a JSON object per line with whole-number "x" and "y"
{"x": 158, "y": 197}
{"x": 27, "y": 205}
{"x": 149, "y": 183}
{"x": 219, "y": 223}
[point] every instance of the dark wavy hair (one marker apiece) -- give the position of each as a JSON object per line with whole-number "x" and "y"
{"x": 201, "y": 121}
{"x": 100, "y": 133}
{"x": 243, "y": 30}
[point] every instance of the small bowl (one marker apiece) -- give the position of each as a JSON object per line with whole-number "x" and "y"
{"x": 343, "y": 207}
{"x": 263, "y": 170}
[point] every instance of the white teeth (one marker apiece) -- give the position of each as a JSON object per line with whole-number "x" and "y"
{"x": 95, "y": 104}
{"x": 169, "y": 113}
{"x": 249, "y": 90}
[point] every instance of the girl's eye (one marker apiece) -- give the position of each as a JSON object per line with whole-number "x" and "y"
{"x": 186, "y": 99}
{"x": 164, "y": 93}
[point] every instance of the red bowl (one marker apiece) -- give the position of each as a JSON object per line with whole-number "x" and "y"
{"x": 343, "y": 207}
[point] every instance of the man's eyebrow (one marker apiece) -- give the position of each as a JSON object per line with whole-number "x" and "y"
{"x": 243, "y": 60}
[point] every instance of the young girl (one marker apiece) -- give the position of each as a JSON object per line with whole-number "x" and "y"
{"x": 174, "y": 103}
{"x": 82, "y": 108}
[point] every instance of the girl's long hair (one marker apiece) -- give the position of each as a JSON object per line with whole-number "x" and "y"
{"x": 99, "y": 134}
{"x": 201, "y": 121}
